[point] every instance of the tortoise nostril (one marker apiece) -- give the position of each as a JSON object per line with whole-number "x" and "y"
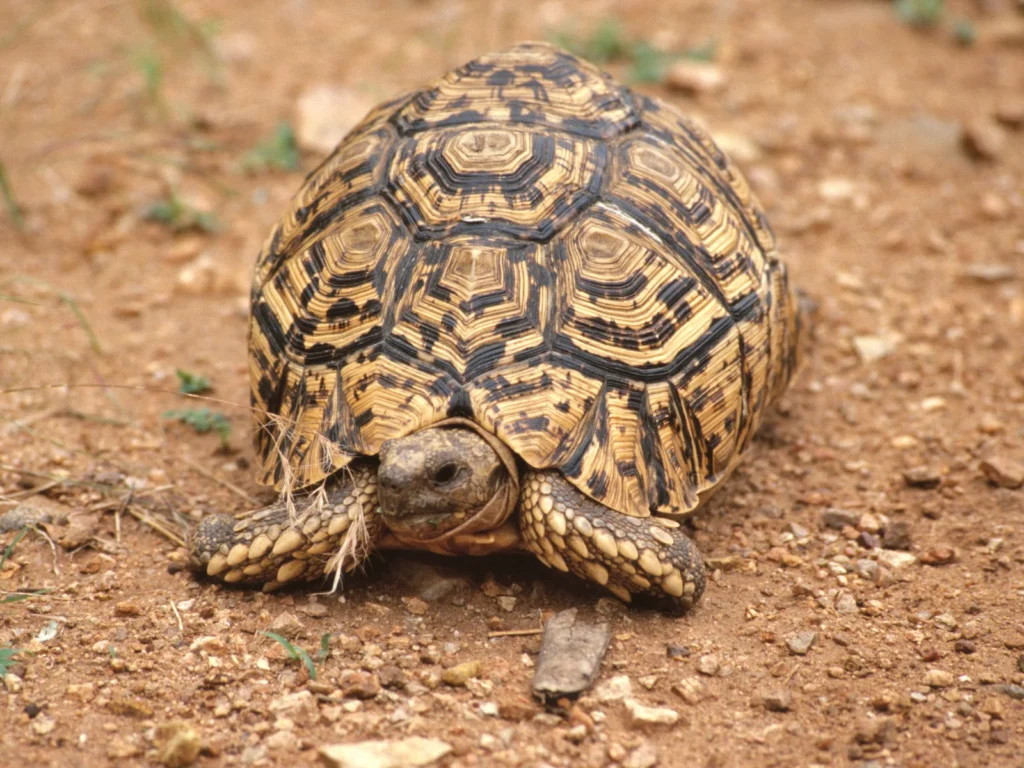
{"x": 446, "y": 473}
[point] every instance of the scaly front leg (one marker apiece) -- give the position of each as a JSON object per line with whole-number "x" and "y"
{"x": 647, "y": 558}
{"x": 275, "y": 545}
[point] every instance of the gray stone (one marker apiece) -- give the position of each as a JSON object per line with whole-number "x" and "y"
{"x": 412, "y": 752}
{"x": 836, "y": 518}
{"x": 800, "y": 643}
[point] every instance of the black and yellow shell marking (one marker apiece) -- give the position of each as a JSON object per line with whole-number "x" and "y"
{"x": 526, "y": 244}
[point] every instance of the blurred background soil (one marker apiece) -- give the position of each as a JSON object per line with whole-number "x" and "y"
{"x": 867, "y": 603}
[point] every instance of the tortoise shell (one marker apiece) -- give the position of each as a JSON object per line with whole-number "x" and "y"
{"x": 527, "y": 244}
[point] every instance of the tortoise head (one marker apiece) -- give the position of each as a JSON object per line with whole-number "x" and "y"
{"x": 441, "y": 482}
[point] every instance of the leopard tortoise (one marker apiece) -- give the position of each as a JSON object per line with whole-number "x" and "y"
{"x": 522, "y": 308}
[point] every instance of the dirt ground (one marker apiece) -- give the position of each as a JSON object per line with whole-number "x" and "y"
{"x": 891, "y": 163}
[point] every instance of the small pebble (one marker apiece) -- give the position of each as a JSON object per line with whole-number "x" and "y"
{"x": 895, "y": 559}
{"x": 846, "y": 604}
{"x": 965, "y": 646}
{"x": 1013, "y": 691}
{"x": 800, "y": 643}
{"x": 695, "y": 77}
{"x": 938, "y": 678}
{"x": 415, "y": 606}
{"x": 922, "y": 477}
{"x": 641, "y": 715}
{"x": 412, "y": 752}
{"x": 708, "y": 665}
{"x": 358, "y": 684}
{"x": 127, "y": 608}
{"x": 644, "y": 756}
{"x": 614, "y": 689}
{"x": 838, "y": 519}
{"x": 178, "y": 744}
{"x": 690, "y": 689}
{"x": 778, "y": 701}
{"x": 897, "y": 535}
{"x": 939, "y": 555}
{"x": 982, "y": 139}
{"x": 461, "y": 673}
{"x": 1003, "y": 472}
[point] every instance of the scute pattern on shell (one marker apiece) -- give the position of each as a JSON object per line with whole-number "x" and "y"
{"x": 527, "y": 244}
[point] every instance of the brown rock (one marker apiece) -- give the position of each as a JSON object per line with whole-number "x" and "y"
{"x": 922, "y": 477}
{"x": 122, "y": 705}
{"x": 460, "y": 673}
{"x": 982, "y": 139}
{"x": 127, "y": 608}
{"x": 359, "y": 684}
{"x": 874, "y": 730}
{"x": 695, "y": 77}
{"x": 517, "y": 710}
{"x": 178, "y": 744}
{"x": 1010, "y": 112}
{"x": 415, "y": 606}
{"x": 778, "y": 701}
{"x": 941, "y": 554}
{"x": 1003, "y": 472}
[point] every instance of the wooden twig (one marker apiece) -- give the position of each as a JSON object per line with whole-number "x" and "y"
{"x": 516, "y": 632}
{"x": 119, "y": 512}
{"x": 174, "y": 608}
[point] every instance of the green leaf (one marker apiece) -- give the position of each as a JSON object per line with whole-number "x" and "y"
{"x": 649, "y": 63}
{"x": 325, "y": 648}
{"x": 920, "y": 13}
{"x": 12, "y": 545}
{"x": 295, "y": 652}
{"x": 174, "y": 213}
{"x": 17, "y": 597}
{"x": 607, "y": 42}
{"x": 13, "y": 209}
{"x": 192, "y": 383}
{"x": 277, "y": 152}
{"x": 7, "y": 659}
{"x": 965, "y": 33}
{"x": 203, "y": 420}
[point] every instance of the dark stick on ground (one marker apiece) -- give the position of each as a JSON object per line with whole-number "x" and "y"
{"x": 570, "y": 657}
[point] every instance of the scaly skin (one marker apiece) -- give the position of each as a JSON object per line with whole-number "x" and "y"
{"x": 646, "y": 558}
{"x": 270, "y": 548}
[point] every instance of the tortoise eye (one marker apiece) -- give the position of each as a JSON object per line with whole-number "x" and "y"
{"x": 446, "y": 473}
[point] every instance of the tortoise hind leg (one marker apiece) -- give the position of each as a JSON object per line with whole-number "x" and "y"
{"x": 646, "y": 560}
{"x": 274, "y": 545}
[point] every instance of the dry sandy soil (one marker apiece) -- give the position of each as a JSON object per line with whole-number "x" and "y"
{"x": 891, "y": 162}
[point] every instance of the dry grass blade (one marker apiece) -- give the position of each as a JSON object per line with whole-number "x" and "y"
{"x": 13, "y": 210}
{"x": 156, "y": 525}
{"x": 219, "y": 480}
